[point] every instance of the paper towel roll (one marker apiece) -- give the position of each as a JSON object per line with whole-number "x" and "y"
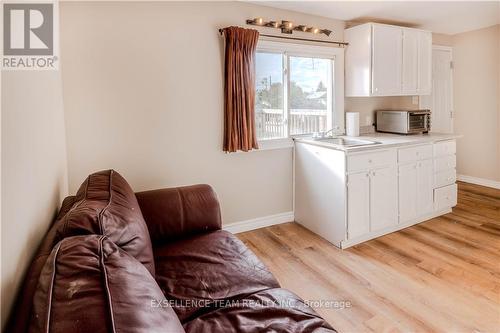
{"x": 352, "y": 123}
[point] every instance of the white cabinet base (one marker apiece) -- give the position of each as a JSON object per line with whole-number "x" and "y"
{"x": 351, "y": 197}
{"x": 351, "y": 242}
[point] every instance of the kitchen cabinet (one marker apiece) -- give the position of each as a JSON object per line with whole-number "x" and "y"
{"x": 445, "y": 174}
{"x": 424, "y": 63}
{"x": 407, "y": 192}
{"x": 386, "y": 71}
{"x": 383, "y": 198}
{"x": 416, "y": 182}
{"x": 348, "y": 197}
{"x": 410, "y": 61}
{"x": 358, "y": 208}
{"x": 387, "y": 60}
{"x": 425, "y": 187}
{"x": 371, "y": 201}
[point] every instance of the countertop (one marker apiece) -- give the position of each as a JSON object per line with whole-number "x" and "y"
{"x": 386, "y": 140}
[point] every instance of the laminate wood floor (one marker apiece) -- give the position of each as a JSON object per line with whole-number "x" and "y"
{"x": 442, "y": 275}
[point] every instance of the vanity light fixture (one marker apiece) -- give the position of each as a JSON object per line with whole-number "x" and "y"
{"x": 256, "y": 21}
{"x": 301, "y": 27}
{"x": 326, "y": 32}
{"x": 287, "y": 27}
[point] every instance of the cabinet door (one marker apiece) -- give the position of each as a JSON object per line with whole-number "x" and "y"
{"x": 424, "y": 63}
{"x": 383, "y": 198}
{"x": 358, "y": 204}
{"x": 410, "y": 61}
{"x": 407, "y": 192}
{"x": 425, "y": 186}
{"x": 386, "y": 61}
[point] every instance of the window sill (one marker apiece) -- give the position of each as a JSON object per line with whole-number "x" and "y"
{"x": 273, "y": 144}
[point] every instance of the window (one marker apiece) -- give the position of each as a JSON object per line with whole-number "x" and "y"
{"x": 299, "y": 90}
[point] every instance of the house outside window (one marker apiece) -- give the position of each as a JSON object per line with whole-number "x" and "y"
{"x": 299, "y": 90}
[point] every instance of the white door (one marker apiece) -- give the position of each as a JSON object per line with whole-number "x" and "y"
{"x": 358, "y": 204}
{"x": 424, "y": 63}
{"x": 386, "y": 66}
{"x": 410, "y": 61}
{"x": 383, "y": 198}
{"x": 425, "y": 186}
{"x": 440, "y": 102}
{"x": 407, "y": 192}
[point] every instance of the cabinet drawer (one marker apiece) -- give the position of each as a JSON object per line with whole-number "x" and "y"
{"x": 366, "y": 161}
{"x": 445, "y": 197}
{"x": 445, "y": 148}
{"x": 443, "y": 178}
{"x": 414, "y": 153}
{"x": 445, "y": 163}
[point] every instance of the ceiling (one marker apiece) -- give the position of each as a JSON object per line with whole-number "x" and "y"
{"x": 447, "y": 17}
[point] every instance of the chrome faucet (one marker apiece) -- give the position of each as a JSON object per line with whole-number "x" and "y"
{"x": 322, "y": 135}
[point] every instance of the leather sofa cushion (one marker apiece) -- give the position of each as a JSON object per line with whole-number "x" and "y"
{"x": 90, "y": 285}
{"x": 201, "y": 270}
{"x": 272, "y": 310}
{"x": 106, "y": 205}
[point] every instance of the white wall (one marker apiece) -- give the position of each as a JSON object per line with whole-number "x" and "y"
{"x": 143, "y": 93}
{"x": 476, "y": 79}
{"x": 34, "y": 175}
{"x": 366, "y": 106}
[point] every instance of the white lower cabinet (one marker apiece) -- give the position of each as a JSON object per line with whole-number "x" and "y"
{"x": 407, "y": 192}
{"x": 425, "y": 187}
{"x": 358, "y": 204}
{"x": 416, "y": 185}
{"x": 383, "y": 198}
{"x": 372, "y": 198}
{"x": 445, "y": 196}
{"x": 372, "y": 194}
{"x": 349, "y": 198}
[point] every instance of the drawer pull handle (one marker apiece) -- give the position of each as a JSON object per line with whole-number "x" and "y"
{"x": 369, "y": 161}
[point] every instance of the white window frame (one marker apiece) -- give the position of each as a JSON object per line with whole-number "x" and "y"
{"x": 307, "y": 50}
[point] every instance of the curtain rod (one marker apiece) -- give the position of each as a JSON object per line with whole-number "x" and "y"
{"x": 221, "y": 31}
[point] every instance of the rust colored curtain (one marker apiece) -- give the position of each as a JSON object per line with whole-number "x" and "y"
{"x": 239, "y": 89}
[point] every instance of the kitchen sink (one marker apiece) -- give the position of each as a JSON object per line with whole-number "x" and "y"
{"x": 345, "y": 142}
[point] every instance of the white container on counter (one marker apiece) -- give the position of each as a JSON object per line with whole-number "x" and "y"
{"x": 352, "y": 123}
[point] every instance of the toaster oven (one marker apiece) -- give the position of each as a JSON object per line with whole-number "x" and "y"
{"x": 403, "y": 122}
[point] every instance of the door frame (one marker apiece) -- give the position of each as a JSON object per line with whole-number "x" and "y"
{"x": 452, "y": 107}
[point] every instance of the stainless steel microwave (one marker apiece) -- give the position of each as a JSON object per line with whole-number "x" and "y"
{"x": 403, "y": 122}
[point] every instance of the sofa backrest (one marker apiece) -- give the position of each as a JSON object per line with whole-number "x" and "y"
{"x": 91, "y": 211}
{"x": 89, "y": 284}
{"x": 106, "y": 205}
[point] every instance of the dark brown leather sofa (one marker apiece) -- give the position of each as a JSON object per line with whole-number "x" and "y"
{"x": 154, "y": 261}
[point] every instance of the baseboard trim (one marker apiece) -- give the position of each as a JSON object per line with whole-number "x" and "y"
{"x": 479, "y": 181}
{"x": 259, "y": 222}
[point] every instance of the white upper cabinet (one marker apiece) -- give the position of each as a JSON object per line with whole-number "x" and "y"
{"x": 424, "y": 63}
{"x": 410, "y": 61}
{"x": 387, "y": 60}
{"x": 386, "y": 75}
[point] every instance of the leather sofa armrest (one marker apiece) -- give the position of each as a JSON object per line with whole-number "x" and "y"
{"x": 174, "y": 213}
